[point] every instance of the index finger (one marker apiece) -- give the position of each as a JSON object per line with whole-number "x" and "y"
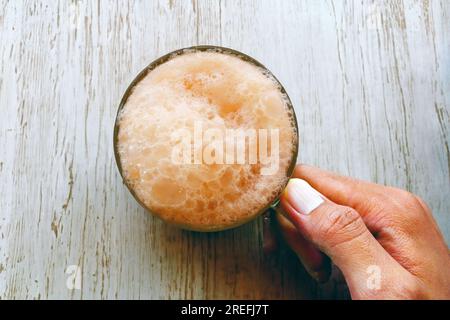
{"x": 360, "y": 195}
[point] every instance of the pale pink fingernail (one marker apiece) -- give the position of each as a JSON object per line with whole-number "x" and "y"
{"x": 302, "y": 197}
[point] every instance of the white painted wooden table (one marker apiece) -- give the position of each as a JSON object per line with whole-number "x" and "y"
{"x": 370, "y": 81}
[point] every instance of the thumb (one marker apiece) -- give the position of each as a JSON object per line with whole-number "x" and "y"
{"x": 339, "y": 232}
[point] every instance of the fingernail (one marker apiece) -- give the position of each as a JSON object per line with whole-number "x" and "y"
{"x": 301, "y": 196}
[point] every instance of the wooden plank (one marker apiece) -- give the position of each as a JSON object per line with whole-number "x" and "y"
{"x": 370, "y": 82}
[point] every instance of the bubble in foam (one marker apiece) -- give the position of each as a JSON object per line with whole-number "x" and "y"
{"x": 221, "y": 91}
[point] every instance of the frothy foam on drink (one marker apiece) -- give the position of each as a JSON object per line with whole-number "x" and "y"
{"x": 223, "y": 92}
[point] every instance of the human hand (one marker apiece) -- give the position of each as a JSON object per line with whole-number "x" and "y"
{"x": 365, "y": 227}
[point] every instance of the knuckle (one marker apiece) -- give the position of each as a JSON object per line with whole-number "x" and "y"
{"x": 342, "y": 219}
{"x": 405, "y": 228}
{"x": 407, "y": 199}
{"x": 398, "y": 201}
{"x": 340, "y": 224}
{"x": 422, "y": 203}
{"x": 407, "y": 213}
{"x": 418, "y": 199}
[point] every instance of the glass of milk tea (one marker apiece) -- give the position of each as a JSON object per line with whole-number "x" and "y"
{"x": 206, "y": 138}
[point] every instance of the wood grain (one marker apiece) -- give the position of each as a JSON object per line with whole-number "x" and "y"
{"x": 370, "y": 81}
